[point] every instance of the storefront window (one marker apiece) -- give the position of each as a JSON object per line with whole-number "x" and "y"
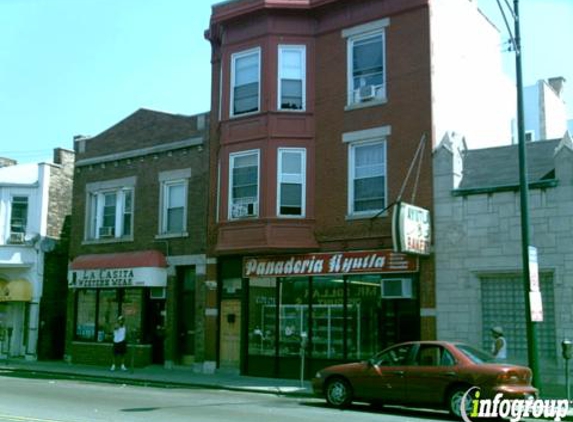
{"x": 108, "y": 313}
{"x": 363, "y": 316}
{"x": 104, "y": 306}
{"x": 86, "y": 315}
{"x": 328, "y": 317}
{"x": 131, "y": 311}
{"x": 262, "y": 316}
{"x": 293, "y": 314}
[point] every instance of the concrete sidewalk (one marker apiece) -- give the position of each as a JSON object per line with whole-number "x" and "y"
{"x": 185, "y": 377}
{"x": 156, "y": 375}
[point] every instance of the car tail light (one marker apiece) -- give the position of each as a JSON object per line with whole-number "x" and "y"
{"x": 514, "y": 377}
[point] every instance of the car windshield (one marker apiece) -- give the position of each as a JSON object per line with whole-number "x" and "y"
{"x": 475, "y": 355}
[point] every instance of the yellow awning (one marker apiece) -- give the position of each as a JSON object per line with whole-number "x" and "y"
{"x": 15, "y": 291}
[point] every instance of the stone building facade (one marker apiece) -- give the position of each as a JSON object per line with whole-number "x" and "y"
{"x": 478, "y": 245}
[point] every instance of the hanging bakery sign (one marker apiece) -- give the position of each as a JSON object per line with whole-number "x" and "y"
{"x": 352, "y": 262}
{"x": 411, "y": 229}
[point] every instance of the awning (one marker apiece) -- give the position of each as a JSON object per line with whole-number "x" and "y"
{"x": 126, "y": 269}
{"x": 15, "y": 291}
{"x": 120, "y": 260}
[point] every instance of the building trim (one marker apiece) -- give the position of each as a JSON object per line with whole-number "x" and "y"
{"x": 141, "y": 152}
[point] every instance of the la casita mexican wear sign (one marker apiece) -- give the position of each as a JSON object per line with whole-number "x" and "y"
{"x": 355, "y": 262}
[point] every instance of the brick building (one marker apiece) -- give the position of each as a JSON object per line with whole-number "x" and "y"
{"x": 138, "y": 240}
{"x": 35, "y": 205}
{"x": 318, "y": 108}
{"x": 478, "y": 245}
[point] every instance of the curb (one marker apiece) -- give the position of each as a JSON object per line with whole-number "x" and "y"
{"x": 146, "y": 382}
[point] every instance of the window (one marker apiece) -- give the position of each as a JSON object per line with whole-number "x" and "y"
{"x": 291, "y": 182}
{"x": 396, "y": 356}
{"x": 19, "y": 217}
{"x": 366, "y": 62}
{"x": 244, "y": 185}
{"x": 174, "y": 210}
{"x": 97, "y": 311}
{"x": 110, "y": 209}
{"x": 245, "y": 82}
{"x": 367, "y": 178}
{"x": 503, "y": 303}
{"x": 291, "y": 83}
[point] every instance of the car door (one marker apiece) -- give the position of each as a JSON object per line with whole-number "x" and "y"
{"x": 433, "y": 369}
{"x": 383, "y": 376}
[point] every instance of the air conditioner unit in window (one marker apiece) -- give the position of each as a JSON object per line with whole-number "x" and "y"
{"x": 157, "y": 293}
{"x": 365, "y": 93}
{"x": 247, "y": 209}
{"x": 106, "y": 232}
{"x": 397, "y": 288}
{"x": 16, "y": 237}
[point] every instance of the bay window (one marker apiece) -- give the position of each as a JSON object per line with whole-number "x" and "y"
{"x": 291, "y": 182}
{"x": 245, "y": 82}
{"x": 244, "y": 184}
{"x": 291, "y": 78}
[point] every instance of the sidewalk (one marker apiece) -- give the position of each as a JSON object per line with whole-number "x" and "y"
{"x": 185, "y": 377}
{"x": 156, "y": 375}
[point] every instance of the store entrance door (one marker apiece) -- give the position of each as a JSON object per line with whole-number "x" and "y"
{"x": 230, "y": 349}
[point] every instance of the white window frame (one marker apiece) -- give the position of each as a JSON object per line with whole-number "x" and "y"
{"x": 167, "y": 179}
{"x": 232, "y": 158}
{"x": 358, "y": 33}
{"x": 301, "y": 49}
{"x": 95, "y": 195}
{"x": 165, "y": 190}
{"x": 96, "y": 204}
{"x": 283, "y": 178}
{"x": 372, "y": 136}
{"x": 234, "y": 58}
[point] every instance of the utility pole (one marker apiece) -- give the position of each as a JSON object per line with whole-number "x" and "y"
{"x": 524, "y": 201}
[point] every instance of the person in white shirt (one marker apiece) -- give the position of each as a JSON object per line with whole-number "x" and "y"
{"x": 119, "y": 344}
{"x": 499, "y": 346}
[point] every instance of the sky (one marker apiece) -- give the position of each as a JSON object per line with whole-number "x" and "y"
{"x": 77, "y": 67}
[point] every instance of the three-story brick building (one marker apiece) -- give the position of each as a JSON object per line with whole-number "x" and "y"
{"x": 318, "y": 109}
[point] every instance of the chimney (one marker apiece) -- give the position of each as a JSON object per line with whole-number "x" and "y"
{"x": 63, "y": 156}
{"x": 558, "y": 84}
{"x": 7, "y": 162}
{"x": 80, "y": 143}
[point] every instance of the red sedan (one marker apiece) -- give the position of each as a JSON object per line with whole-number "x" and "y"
{"x": 424, "y": 373}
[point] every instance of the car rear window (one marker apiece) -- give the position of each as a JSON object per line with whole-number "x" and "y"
{"x": 475, "y": 355}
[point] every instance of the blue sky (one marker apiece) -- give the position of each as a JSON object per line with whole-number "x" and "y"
{"x": 70, "y": 67}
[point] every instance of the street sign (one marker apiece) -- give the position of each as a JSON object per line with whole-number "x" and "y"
{"x": 536, "y": 306}
{"x": 533, "y": 269}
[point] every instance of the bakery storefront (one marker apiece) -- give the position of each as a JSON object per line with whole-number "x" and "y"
{"x": 104, "y": 286}
{"x": 338, "y": 307}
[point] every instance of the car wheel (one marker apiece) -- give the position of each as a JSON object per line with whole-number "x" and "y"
{"x": 455, "y": 399}
{"x": 338, "y": 392}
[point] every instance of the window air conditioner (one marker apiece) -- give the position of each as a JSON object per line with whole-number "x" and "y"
{"x": 397, "y": 288}
{"x": 16, "y": 237}
{"x": 157, "y": 293}
{"x": 365, "y": 93}
{"x": 106, "y": 232}
{"x": 247, "y": 209}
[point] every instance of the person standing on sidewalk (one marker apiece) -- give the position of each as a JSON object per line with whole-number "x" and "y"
{"x": 119, "y": 344}
{"x": 499, "y": 346}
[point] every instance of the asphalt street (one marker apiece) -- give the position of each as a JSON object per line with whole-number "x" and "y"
{"x": 52, "y": 400}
